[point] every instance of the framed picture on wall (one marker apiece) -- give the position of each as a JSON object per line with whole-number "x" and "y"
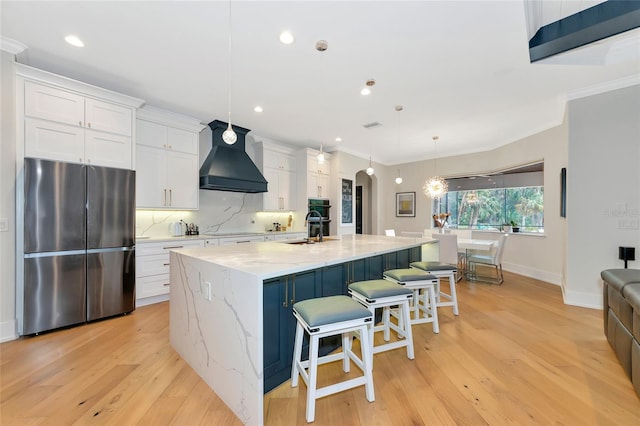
{"x": 405, "y": 204}
{"x": 347, "y": 201}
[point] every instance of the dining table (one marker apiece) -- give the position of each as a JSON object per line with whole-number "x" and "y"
{"x": 474, "y": 244}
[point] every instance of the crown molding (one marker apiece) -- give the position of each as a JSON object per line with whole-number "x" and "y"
{"x": 12, "y": 46}
{"x": 608, "y": 86}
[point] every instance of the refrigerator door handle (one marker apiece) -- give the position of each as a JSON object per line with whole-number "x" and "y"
{"x": 53, "y": 253}
{"x": 108, "y": 250}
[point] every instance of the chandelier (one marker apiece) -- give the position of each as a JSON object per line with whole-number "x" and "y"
{"x": 435, "y": 187}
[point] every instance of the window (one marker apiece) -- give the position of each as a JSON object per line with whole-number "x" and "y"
{"x": 488, "y": 202}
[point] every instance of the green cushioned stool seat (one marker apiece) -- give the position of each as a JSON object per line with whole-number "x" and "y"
{"x": 433, "y": 266}
{"x": 409, "y": 274}
{"x": 330, "y": 310}
{"x": 442, "y": 270}
{"x": 377, "y": 289}
{"x": 324, "y": 317}
{"x": 394, "y": 300}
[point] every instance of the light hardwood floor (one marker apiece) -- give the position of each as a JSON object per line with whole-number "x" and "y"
{"x": 515, "y": 355}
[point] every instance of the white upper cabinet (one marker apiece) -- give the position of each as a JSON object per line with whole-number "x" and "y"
{"x": 67, "y": 120}
{"x": 279, "y": 169}
{"x": 167, "y": 160}
{"x": 317, "y": 176}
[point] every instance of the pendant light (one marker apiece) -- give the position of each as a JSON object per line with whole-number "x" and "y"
{"x": 321, "y": 155}
{"x": 398, "y": 109}
{"x": 369, "y": 170}
{"x": 321, "y": 46}
{"x": 229, "y": 136}
{"x": 435, "y": 187}
{"x": 399, "y": 178}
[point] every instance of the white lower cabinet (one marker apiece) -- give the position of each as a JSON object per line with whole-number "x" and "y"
{"x": 152, "y": 268}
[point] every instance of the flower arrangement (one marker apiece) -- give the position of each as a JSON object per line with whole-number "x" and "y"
{"x": 441, "y": 219}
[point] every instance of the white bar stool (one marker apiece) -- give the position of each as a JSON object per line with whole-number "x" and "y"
{"x": 442, "y": 270}
{"x": 329, "y": 316}
{"x": 384, "y": 294}
{"x": 424, "y": 301}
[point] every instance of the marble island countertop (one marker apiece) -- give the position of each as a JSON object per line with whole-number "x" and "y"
{"x": 271, "y": 259}
{"x": 206, "y": 236}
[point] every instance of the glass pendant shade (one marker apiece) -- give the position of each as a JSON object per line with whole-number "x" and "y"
{"x": 320, "y": 156}
{"x": 398, "y": 179}
{"x": 229, "y": 136}
{"x": 369, "y": 170}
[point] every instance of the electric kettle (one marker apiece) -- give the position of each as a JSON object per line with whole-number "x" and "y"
{"x": 175, "y": 229}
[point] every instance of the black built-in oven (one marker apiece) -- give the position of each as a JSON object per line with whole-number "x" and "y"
{"x": 323, "y": 207}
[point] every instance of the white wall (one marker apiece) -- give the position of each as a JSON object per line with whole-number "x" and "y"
{"x": 603, "y": 182}
{"x": 7, "y": 198}
{"x": 540, "y": 257}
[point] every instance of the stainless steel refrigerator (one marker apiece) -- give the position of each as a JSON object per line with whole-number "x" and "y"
{"x": 79, "y": 252}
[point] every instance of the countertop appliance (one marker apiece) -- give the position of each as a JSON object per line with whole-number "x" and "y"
{"x": 79, "y": 252}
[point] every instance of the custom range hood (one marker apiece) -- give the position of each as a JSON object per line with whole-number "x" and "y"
{"x": 228, "y": 167}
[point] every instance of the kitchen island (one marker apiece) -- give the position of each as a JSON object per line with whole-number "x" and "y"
{"x": 230, "y": 306}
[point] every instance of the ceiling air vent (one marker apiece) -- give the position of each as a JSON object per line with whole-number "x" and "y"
{"x": 373, "y": 125}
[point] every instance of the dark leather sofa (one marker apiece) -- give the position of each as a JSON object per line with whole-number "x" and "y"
{"x": 621, "y": 293}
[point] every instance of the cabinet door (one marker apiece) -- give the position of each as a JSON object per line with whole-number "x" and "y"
{"x": 334, "y": 280}
{"x": 402, "y": 258}
{"x": 53, "y": 141}
{"x": 271, "y": 198}
{"x": 317, "y": 186}
{"x": 53, "y": 104}
{"x": 182, "y": 140}
{"x": 156, "y": 264}
{"x": 314, "y": 167}
{"x": 108, "y": 117}
{"x": 151, "y": 134}
{"x": 275, "y": 332}
{"x": 109, "y": 150}
{"x": 287, "y": 188}
{"x": 182, "y": 180}
{"x": 153, "y": 285}
{"x": 375, "y": 267}
{"x": 150, "y": 177}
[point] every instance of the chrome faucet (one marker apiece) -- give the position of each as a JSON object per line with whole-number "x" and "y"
{"x": 306, "y": 219}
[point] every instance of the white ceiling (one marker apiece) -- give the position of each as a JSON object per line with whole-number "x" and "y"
{"x": 460, "y": 69}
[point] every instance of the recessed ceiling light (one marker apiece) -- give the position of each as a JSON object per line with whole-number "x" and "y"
{"x": 258, "y": 108}
{"x": 74, "y": 41}
{"x": 338, "y": 139}
{"x": 365, "y": 91}
{"x": 286, "y": 37}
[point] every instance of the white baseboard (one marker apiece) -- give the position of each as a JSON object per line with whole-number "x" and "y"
{"x": 8, "y": 331}
{"x": 583, "y": 300}
{"x": 151, "y": 300}
{"x": 538, "y": 274}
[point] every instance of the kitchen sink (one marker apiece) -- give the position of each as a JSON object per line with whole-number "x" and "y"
{"x": 306, "y": 241}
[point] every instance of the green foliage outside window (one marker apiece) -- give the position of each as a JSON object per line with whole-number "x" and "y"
{"x": 492, "y": 208}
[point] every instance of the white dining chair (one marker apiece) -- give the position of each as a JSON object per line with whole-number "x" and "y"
{"x": 493, "y": 259}
{"x": 390, "y": 232}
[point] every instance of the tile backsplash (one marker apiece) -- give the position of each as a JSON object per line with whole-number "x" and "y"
{"x": 221, "y": 212}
